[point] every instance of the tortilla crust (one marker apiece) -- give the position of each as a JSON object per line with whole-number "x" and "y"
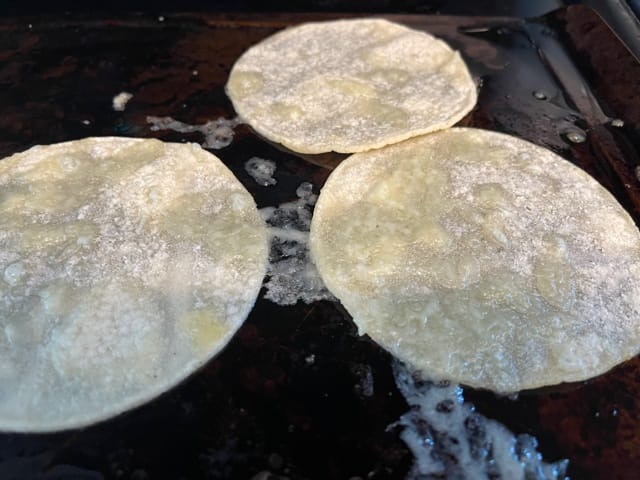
{"x": 349, "y": 85}
{"x": 481, "y": 258}
{"x": 125, "y": 265}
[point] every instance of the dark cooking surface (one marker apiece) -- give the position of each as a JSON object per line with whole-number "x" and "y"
{"x": 261, "y": 405}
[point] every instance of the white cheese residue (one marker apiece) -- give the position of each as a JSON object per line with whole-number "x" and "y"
{"x": 291, "y": 275}
{"x": 120, "y": 101}
{"x": 261, "y": 170}
{"x": 217, "y": 133}
{"x": 448, "y": 438}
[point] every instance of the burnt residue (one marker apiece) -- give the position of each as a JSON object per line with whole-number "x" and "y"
{"x": 297, "y": 393}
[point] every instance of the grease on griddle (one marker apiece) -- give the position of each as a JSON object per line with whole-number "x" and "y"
{"x": 448, "y": 438}
{"x": 291, "y": 275}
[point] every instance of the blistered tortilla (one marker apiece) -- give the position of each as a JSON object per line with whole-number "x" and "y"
{"x": 349, "y": 85}
{"x": 481, "y": 258}
{"x": 125, "y": 265}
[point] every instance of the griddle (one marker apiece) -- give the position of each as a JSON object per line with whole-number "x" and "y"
{"x": 261, "y": 409}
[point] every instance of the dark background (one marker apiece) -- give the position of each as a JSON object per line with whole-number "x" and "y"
{"x": 447, "y": 7}
{"x": 621, "y": 15}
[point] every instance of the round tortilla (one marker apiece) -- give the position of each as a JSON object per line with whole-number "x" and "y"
{"x": 349, "y": 86}
{"x": 125, "y": 264}
{"x": 481, "y": 258}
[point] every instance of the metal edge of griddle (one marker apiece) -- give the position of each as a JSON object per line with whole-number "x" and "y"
{"x": 616, "y": 157}
{"x": 622, "y": 21}
{"x": 235, "y": 19}
{"x": 613, "y": 162}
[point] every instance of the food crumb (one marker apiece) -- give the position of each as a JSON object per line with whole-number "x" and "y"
{"x": 120, "y": 101}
